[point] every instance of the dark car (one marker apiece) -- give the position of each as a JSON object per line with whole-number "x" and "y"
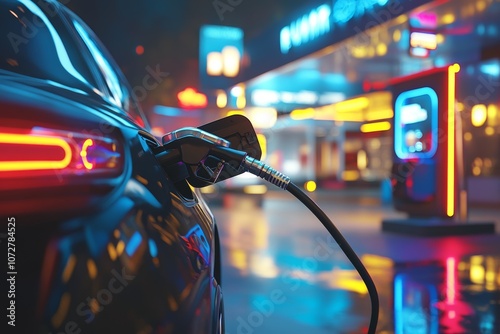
{"x": 95, "y": 237}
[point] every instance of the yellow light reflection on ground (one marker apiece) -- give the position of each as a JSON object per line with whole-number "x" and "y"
{"x": 247, "y": 240}
{"x": 343, "y": 279}
{"x": 238, "y": 259}
{"x": 263, "y": 266}
{"x": 377, "y": 261}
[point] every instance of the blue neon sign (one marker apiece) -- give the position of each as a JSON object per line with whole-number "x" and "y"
{"x": 305, "y": 29}
{"x": 416, "y": 123}
{"x": 346, "y": 10}
{"x": 322, "y": 20}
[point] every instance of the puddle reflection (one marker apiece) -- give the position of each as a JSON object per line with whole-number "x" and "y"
{"x": 454, "y": 296}
{"x": 278, "y": 279}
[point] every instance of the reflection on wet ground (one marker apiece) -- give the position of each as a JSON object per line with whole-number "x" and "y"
{"x": 283, "y": 273}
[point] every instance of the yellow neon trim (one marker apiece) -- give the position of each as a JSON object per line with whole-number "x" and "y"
{"x": 29, "y": 139}
{"x": 84, "y": 154}
{"x": 349, "y": 117}
{"x": 376, "y": 115}
{"x": 374, "y": 127}
{"x": 301, "y": 114}
{"x": 353, "y": 105}
{"x": 450, "y": 177}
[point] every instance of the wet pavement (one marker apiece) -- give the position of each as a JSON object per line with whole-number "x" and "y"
{"x": 282, "y": 272}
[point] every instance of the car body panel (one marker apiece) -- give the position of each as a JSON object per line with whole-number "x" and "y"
{"x": 127, "y": 252}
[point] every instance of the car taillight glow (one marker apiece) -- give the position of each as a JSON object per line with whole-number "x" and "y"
{"x": 41, "y": 151}
{"x": 84, "y": 154}
{"x": 46, "y": 152}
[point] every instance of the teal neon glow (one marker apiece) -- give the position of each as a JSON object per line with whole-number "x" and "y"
{"x": 410, "y": 108}
{"x": 309, "y": 27}
{"x": 346, "y": 10}
{"x": 323, "y": 19}
{"x": 222, "y": 32}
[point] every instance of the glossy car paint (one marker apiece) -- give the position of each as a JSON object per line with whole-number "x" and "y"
{"x": 125, "y": 252}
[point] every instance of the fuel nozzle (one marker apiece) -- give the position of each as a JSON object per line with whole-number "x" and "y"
{"x": 199, "y": 156}
{"x": 202, "y": 158}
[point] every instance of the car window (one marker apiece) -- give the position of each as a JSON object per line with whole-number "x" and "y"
{"x": 43, "y": 41}
{"x": 35, "y": 43}
{"x": 119, "y": 93}
{"x": 112, "y": 82}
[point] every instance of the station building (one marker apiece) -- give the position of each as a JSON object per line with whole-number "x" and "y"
{"x": 326, "y": 72}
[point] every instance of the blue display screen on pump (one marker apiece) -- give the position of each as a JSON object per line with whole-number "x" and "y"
{"x": 416, "y": 123}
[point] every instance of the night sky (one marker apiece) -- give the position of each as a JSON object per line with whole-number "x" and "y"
{"x": 168, "y": 30}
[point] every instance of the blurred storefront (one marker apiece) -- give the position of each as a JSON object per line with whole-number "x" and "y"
{"x": 327, "y": 70}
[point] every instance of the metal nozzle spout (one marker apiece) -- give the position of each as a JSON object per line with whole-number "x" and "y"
{"x": 264, "y": 171}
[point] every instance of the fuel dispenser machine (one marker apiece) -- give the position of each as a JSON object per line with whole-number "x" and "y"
{"x": 426, "y": 176}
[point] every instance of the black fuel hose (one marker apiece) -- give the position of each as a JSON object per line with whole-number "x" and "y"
{"x": 269, "y": 174}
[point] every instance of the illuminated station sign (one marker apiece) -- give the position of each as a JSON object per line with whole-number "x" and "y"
{"x": 221, "y": 53}
{"x": 324, "y": 20}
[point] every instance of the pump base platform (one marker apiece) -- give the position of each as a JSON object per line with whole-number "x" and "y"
{"x": 435, "y": 227}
